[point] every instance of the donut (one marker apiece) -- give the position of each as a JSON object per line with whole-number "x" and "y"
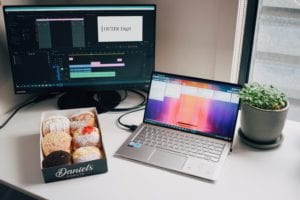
{"x": 56, "y": 141}
{"x": 85, "y": 116}
{"x": 86, "y": 136}
{"x": 57, "y": 158}
{"x": 82, "y": 119}
{"x": 84, "y": 154}
{"x": 56, "y": 124}
{"x": 74, "y": 125}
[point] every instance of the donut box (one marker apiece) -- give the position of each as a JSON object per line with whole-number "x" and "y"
{"x": 71, "y": 144}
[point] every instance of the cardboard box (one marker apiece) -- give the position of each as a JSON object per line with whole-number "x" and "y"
{"x": 64, "y": 172}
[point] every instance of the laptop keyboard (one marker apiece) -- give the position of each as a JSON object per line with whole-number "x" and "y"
{"x": 187, "y": 144}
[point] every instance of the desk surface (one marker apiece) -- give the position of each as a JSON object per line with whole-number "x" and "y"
{"x": 248, "y": 173}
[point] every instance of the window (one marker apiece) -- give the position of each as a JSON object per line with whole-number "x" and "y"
{"x": 276, "y": 49}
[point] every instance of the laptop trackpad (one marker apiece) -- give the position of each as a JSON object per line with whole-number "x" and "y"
{"x": 167, "y": 159}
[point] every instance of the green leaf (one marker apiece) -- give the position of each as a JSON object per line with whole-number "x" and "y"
{"x": 263, "y": 96}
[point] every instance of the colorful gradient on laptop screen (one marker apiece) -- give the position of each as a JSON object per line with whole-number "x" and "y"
{"x": 207, "y": 107}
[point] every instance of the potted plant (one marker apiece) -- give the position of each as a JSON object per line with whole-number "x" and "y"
{"x": 263, "y": 113}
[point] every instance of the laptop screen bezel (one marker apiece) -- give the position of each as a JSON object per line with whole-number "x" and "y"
{"x": 196, "y": 79}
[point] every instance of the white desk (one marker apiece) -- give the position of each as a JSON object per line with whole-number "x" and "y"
{"x": 248, "y": 173}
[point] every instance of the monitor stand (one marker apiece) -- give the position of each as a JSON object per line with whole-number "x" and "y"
{"x": 103, "y": 101}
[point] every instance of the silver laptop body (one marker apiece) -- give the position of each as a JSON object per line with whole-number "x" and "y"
{"x": 188, "y": 125}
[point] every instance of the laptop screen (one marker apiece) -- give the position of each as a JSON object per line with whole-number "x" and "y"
{"x": 193, "y": 105}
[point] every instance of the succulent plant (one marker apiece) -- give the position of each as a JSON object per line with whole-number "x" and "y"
{"x": 263, "y": 96}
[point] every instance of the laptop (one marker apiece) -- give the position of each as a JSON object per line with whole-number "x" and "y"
{"x": 188, "y": 126}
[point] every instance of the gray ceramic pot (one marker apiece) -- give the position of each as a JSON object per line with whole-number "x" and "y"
{"x": 262, "y": 126}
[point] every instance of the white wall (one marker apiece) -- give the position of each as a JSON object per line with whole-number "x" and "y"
{"x": 194, "y": 37}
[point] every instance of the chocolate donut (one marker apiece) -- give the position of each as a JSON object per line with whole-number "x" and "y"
{"x": 57, "y": 158}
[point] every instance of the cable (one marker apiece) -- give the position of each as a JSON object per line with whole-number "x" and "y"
{"x": 125, "y": 96}
{"x": 142, "y": 103}
{"x": 15, "y": 111}
{"x": 25, "y": 103}
{"x": 131, "y": 127}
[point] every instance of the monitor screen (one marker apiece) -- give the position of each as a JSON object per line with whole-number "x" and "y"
{"x": 80, "y": 47}
{"x": 56, "y": 48}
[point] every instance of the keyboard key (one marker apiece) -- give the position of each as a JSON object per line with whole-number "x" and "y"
{"x": 187, "y": 144}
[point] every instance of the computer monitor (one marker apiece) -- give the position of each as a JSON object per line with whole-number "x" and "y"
{"x": 80, "y": 49}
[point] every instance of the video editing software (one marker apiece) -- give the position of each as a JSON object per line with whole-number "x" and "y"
{"x": 54, "y": 47}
